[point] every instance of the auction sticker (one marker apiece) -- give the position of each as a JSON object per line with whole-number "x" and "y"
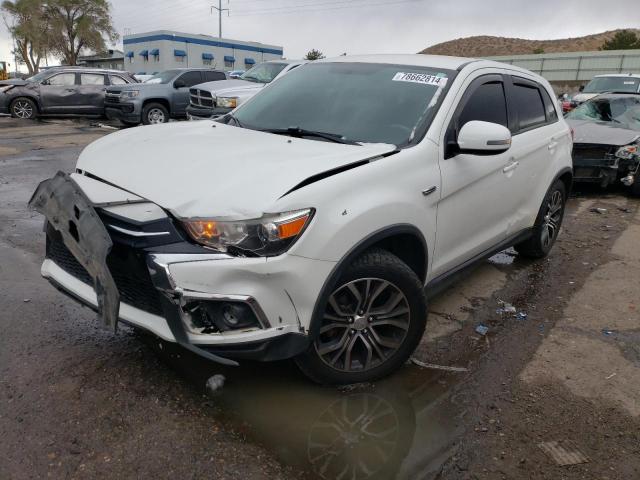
{"x": 423, "y": 78}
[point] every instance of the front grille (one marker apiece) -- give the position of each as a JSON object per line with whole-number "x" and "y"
{"x": 601, "y": 154}
{"x": 112, "y": 97}
{"x": 200, "y": 98}
{"x": 127, "y": 266}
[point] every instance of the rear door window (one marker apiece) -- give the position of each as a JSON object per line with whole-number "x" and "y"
{"x": 214, "y": 76}
{"x": 63, "y": 79}
{"x": 191, "y": 78}
{"x": 549, "y": 106}
{"x": 91, "y": 79}
{"x": 528, "y": 104}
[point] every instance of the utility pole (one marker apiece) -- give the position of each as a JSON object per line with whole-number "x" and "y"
{"x": 220, "y": 10}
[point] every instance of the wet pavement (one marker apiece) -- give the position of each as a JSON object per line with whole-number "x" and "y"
{"x": 78, "y": 402}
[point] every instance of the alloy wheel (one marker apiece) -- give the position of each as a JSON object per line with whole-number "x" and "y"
{"x": 552, "y": 218}
{"x": 365, "y": 322}
{"x": 22, "y": 109}
{"x": 155, "y": 116}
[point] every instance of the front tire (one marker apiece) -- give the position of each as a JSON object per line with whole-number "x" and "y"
{"x": 371, "y": 322}
{"x": 24, "y": 108}
{"x": 154, "y": 113}
{"x": 548, "y": 223}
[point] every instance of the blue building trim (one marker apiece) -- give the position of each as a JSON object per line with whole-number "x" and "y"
{"x": 201, "y": 41}
{"x": 207, "y": 56}
{"x": 229, "y": 58}
{"x": 249, "y": 61}
{"x": 179, "y": 53}
{"x": 155, "y": 51}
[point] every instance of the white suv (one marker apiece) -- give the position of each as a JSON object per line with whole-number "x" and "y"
{"x": 310, "y": 222}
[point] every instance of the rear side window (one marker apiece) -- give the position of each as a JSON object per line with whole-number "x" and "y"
{"x": 487, "y": 104}
{"x": 214, "y": 76}
{"x": 529, "y": 106}
{"x": 63, "y": 79}
{"x": 191, "y": 78}
{"x": 552, "y": 113}
{"x": 91, "y": 79}
{"x": 115, "y": 80}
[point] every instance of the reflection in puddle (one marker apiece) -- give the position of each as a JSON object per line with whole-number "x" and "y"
{"x": 506, "y": 257}
{"x": 400, "y": 427}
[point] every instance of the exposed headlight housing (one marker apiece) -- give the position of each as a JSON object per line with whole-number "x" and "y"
{"x": 227, "y": 102}
{"x": 5, "y": 88}
{"x": 129, "y": 93}
{"x": 270, "y": 235}
{"x": 627, "y": 151}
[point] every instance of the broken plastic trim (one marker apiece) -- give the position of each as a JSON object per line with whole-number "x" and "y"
{"x": 335, "y": 171}
{"x": 71, "y": 213}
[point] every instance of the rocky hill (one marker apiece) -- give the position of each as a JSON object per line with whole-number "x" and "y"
{"x": 486, "y": 46}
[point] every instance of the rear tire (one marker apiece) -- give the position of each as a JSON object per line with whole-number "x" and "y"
{"x": 23, "y": 108}
{"x": 548, "y": 223}
{"x": 371, "y": 322}
{"x": 154, "y": 113}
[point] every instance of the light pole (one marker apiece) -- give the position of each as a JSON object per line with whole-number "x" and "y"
{"x": 220, "y": 10}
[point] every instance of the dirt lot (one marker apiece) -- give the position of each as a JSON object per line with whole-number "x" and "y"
{"x": 76, "y": 402}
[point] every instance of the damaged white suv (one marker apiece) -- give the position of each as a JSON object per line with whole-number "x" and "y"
{"x": 310, "y": 222}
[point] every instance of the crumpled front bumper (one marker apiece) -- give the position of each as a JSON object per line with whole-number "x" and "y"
{"x": 281, "y": 292}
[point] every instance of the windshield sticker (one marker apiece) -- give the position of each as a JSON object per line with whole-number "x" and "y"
{"x": 630, "y": 83}
{"x": 423, "y": 78}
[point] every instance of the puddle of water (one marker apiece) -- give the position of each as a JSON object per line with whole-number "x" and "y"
{"x": 397, "y": 428}
{"x": 506, "y": 257}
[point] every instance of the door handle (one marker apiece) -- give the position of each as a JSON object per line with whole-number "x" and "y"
{"x": 512, "y": 165}
{"x": 553, "y": 144}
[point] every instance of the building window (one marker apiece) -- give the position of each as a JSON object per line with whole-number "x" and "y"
{"x": 206, "y": 61}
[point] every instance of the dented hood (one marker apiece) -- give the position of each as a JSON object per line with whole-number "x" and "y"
{"x": 602, "y": 133}
{"x": 207, "y": 169}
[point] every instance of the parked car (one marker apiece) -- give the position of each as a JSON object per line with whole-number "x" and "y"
{"x": 235, "y": 73}
{"x": 357, "y": 187}
{"x": 143, "y": 77}
{"x": 159, "y": 98}
{"x": 607, "y": 139}
{"x": 60, "y": 91}
{"x": 213, "y": 99}
{"x": 611, "y": 83}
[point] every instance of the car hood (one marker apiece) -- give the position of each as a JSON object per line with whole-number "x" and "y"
{"x": 226, "y": 86}
{"x": 602, "y": 133}
{"x": 14, "y": 81}
{"x": 207, "y": 169}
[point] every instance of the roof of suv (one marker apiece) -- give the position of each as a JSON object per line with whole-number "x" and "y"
{"x": 622, "y": 75}
{"x": 85, "y": 69}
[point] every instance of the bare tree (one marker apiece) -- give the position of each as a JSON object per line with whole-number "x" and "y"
{"x": 29, "y": 28}
{"x": 78, "y": 25}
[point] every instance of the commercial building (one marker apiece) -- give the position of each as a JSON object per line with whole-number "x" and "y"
{"x": 567, "y": 71}
{"x": 164, "y": 49}
{"x": 113, "y": 59}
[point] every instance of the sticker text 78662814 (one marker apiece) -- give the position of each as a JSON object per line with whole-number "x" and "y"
{"x": 423, "y": 78}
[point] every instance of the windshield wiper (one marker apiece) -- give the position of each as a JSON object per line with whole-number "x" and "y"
{"x": 301, "y": 132}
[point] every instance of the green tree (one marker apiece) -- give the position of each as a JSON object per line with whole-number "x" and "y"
{"x": 78, "y": 25}
{"x": 29, "y": 27}
{"x": 622, "y": 40}
{"x": 314, "y": 55}
{"x": 538, "y": 50}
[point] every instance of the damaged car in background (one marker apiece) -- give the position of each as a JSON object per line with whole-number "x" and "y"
{"x": 607, "y": 140}
{"x": 346, "y": 203}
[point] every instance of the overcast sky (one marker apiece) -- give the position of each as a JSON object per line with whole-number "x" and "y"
{"x": 369, "y": 26}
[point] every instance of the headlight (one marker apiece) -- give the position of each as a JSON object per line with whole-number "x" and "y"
{"x": 6, "y": 88}
{"x": 227, "y": 102}
{"x": 627, "y": 152}
{"x": 267, "y": 236}
{"x": 129, "y": 93}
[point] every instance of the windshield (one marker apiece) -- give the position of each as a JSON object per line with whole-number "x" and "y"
{"x": 612, "y": 84}
{"x": 38, "y": 77}
{"x": 163, "y": 77}
{"x": 622, "y": 111}
{"x": 363, "y": 102}
{"x": 263, "y": 73}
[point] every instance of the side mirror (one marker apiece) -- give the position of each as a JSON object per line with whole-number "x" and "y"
{"x": 483, "y": 138}
{"x": 179, "y": 84}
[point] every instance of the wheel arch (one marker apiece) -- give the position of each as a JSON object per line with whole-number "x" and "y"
{"x": 405, "y": 241}
{"x": 566, "y": 176}
{"x": 162, "y": 101}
